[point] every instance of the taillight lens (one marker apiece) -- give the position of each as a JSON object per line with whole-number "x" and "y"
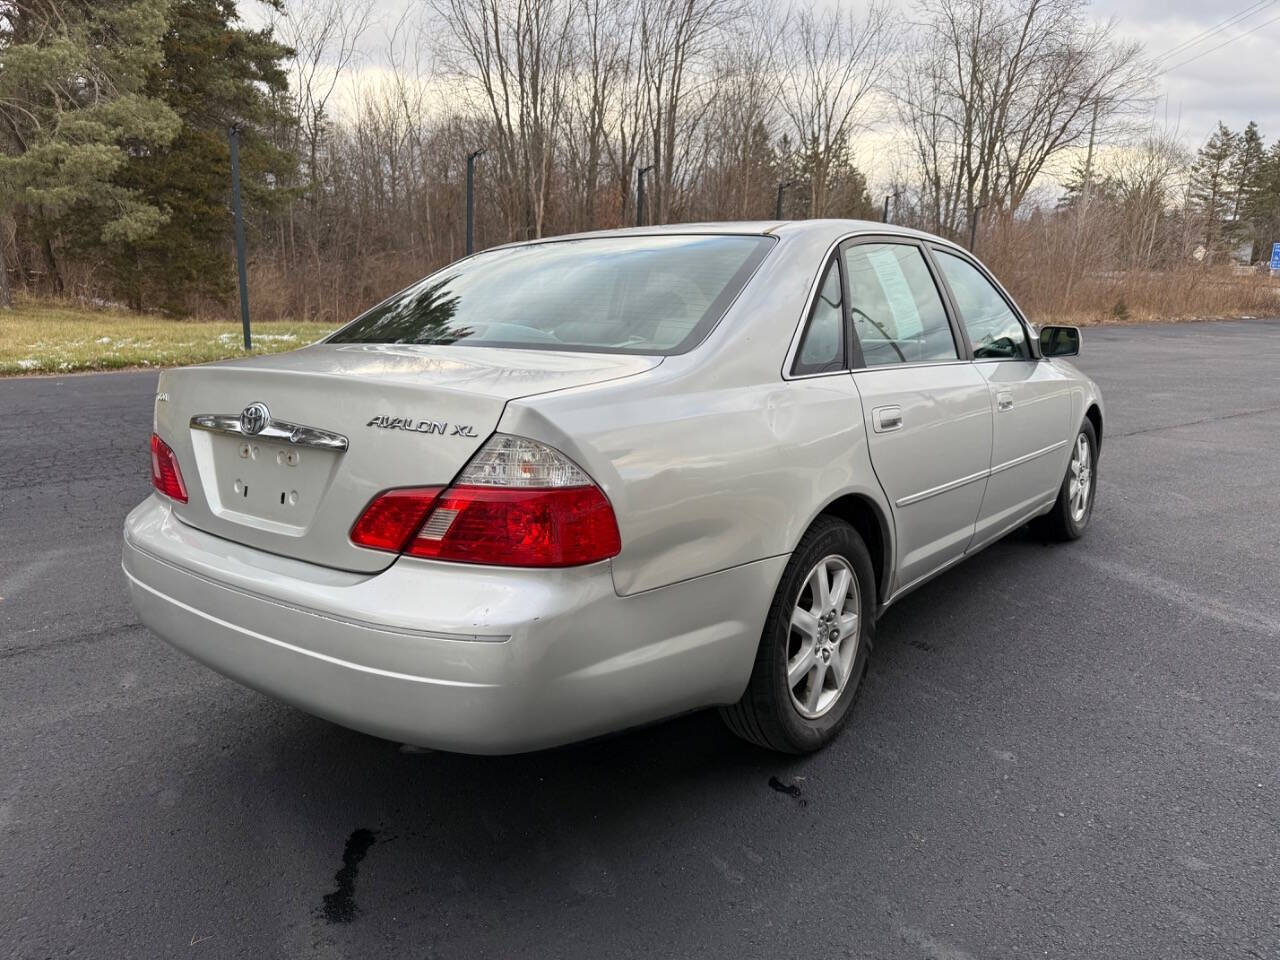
{"x": 520, "y": 527}
{"x": 165, "y": 475}
{"x": 517, "y": 503}
{"x": 391, "y": 520}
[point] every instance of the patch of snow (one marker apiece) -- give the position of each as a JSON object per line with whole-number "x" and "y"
{"x": 230, "y": 338}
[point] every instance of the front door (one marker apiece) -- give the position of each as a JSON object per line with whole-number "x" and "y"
{"x": 927, "y": 409}
{"x": 1031, "y": 399}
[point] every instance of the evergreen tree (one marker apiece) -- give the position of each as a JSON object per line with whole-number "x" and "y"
{"x": 1262, "y": 203}
{"x": 213, "y": 72}
{"x": 1246, "y": 167}
{"x": 74, "y": 107}
{"x": 1211, "y": 187}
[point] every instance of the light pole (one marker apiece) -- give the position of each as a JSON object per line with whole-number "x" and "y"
{"x": 233, "y": 137}
{"x": 887, "y": 198}
{"x": 640, "y": 196}
{"x": 777, "y": 209}
{"x": 471, "y": 200}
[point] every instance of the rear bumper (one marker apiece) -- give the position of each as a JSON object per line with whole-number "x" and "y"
{"x": 455, "y": 657}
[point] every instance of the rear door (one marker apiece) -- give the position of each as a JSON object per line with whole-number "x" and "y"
{"x": 1030, "y": 397}
{"x": 927, "y": 409}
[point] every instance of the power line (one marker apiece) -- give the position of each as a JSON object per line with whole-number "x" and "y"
{"x": 1244, "y": 14}
{"x": 1205, "y": 53}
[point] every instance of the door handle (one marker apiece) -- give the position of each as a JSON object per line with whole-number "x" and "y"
{"x": 884, "y": 419}
{"x": 1004, "y": 401}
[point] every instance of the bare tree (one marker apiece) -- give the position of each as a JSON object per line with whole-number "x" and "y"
{"x": 516, "y": 55}
{"x": 599, "y": 67}
{"x": 628, "y": 130}
{"x": 675, "y": 38}
{"x": 740, "y": 174}
{"x": 836, "y": 64}
{"x": 1146, "y": 178}
{"x": 325, "y": 38}
{"x": 993, "y": 90}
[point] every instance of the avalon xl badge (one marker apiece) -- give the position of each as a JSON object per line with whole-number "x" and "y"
{"x": 384, "y": 422}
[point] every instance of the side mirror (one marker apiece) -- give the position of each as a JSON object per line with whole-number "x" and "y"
{"x": 1059, "y": 341}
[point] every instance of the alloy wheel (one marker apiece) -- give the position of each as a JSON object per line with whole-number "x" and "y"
{"x": 1081, "y": 478}
{"x": 823, "y": 639}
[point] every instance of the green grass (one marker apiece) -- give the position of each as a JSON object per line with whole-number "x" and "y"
{"x": 42, "y": 337}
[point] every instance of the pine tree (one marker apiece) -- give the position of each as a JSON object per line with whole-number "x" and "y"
{"x": 73, "y": 109}
{"x": 214, "y": 72}
{"x": 1211, "y": 188}
{"x": 1262, "y": 203}
{"x": 1246, "y": 167}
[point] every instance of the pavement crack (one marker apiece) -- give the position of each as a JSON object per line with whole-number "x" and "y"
{"x": 1192, "y": 423}
{"x": 78, "y": 639}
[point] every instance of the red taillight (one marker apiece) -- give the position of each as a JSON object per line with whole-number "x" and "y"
{"x": 165, "y": 475}
{"x": 393, "y": 518}
{"x": 517, "y": 503}
{"x": 519, "y": 527}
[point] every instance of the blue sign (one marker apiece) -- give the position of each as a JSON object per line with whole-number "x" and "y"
{"x": 1275, "y": 258}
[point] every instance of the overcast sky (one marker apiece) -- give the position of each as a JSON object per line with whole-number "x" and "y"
{"x": 1236, "y": 83}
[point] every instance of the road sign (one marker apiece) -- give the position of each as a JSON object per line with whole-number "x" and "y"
{"x": 1275, "y": 258}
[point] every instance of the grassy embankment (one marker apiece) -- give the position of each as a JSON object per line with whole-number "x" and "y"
{"x": 43, "y": 337}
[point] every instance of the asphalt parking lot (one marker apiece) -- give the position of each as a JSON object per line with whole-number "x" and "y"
{"x": 1060, "y": 751}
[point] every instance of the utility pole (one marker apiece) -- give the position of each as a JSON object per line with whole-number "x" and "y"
{"x": 471, "y": 200}
{"x": 777, "y": 210}
{"x": 233, "y": 136}
{"x": 640, "y": 196}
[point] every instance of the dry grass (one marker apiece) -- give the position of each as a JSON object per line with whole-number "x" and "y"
{"x": 1057, "y": 277}
{"x": 43, "y": 337}
{"x": 1169, "y": 297}
{"x": 1151, "y": 296}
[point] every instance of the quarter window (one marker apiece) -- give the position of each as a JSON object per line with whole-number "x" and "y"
{"x": 822, "y": 349}
{"x": 993, "y": 327}
{"x": 898, "y": 314}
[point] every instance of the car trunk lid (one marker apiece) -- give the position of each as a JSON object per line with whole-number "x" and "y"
{"x": 283, "y": 453}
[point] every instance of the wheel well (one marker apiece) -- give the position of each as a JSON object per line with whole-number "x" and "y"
{"x": 1094, "y": 416}
{"x": 865, "y": 517}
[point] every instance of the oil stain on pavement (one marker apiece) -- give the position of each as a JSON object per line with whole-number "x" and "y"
{"x": 340, "y": 906}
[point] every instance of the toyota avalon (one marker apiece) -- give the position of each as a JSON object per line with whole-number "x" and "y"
{"x": 570, "y": 486}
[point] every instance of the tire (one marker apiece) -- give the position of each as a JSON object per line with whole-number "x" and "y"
{"x": 773, "y": 714}
{"x": 1066, "y": 521}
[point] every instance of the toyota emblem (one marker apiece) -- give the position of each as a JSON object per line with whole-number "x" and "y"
{"x": 254, "y": 419}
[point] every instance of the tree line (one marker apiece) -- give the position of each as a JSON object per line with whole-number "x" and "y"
{"x": 114, "y": 115}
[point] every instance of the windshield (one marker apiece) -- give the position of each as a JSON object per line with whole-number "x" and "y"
{"x": 640, "y": 294}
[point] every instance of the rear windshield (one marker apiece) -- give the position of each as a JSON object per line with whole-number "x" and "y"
{"x": 648, "y": 295}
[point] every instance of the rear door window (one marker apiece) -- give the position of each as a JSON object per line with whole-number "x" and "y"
{"x": 898, "y": 315}
{"x": 822, "y": 349}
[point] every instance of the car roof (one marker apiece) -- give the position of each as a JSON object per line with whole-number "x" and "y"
{"x": 833, "y": 229}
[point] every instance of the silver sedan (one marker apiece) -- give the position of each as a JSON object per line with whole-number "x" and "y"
{"x": 566, "y": 487}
